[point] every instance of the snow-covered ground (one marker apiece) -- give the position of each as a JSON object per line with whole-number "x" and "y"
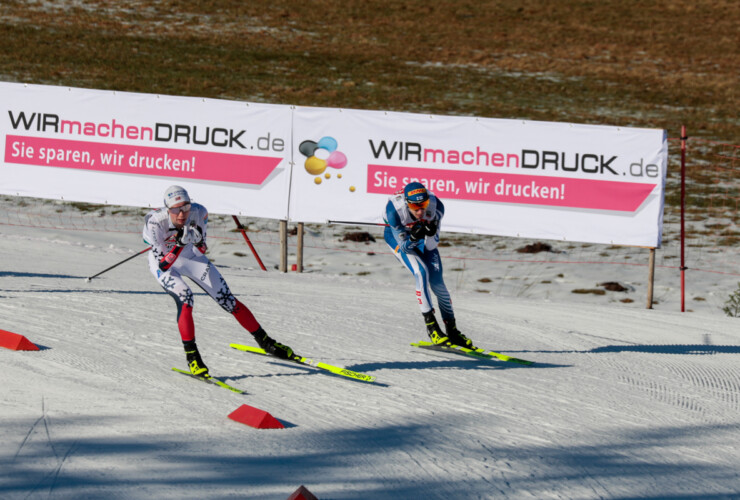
{"x": 622, "y": 402}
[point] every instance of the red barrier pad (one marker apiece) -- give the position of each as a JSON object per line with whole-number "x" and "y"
{"x": 302, "y": 494}
{"x": 16, "y": 342}
{"x": 254, "y": 417}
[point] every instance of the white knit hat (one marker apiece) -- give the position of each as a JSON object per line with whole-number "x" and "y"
{"x": 175, "y": 195}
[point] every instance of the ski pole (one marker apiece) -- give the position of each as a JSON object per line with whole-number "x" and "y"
{"x": 116, "y": 265}
{"x": 349, "y": 222}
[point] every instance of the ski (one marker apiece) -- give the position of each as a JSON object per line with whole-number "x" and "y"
{"x": 210, "y": 380}
{"x": 474, "y": 353}
{"x": 337, "y": 370}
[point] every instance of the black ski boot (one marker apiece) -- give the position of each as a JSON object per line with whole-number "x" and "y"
{"x": 195, "y": 363}
{"x": 271, "y": 347}
{"x": 454, "y": 335}
{"x": 433, "y": 329}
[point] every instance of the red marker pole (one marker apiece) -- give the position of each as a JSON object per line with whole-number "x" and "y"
{"x": 246, "y": 238}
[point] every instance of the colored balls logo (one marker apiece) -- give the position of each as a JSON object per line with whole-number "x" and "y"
{"x": 322, "y": 155}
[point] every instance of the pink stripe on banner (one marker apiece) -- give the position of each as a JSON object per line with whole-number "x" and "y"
{"x": 140, "y": 160}
{"x": 512, "y": 188}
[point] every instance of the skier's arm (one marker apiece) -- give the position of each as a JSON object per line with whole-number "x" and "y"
{"x": 155, "y": 236}
{"x": 432, "y": 226}
{"x": 166, "y": 262}
{"x": 202, "y": 228}
{"x": 400, "y": 233}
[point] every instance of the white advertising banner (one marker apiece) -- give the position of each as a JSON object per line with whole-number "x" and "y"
{"x": 555, "y": 181}
{"x": 125, "y": 149}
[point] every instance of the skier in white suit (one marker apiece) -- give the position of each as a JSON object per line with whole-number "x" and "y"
{"x": 177, "y": 235}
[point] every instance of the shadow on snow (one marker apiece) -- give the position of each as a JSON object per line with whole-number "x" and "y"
{"x": 274, "y": 464}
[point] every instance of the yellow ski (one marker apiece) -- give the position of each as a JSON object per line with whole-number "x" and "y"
{"x": 337, "y": 370}
{"x": 475, "y": 353}
{"x": 210, "y": 380}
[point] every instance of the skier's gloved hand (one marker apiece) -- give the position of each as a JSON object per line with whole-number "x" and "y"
{"x": 417, "y": 231}
{"x": 409, "y": 245}
{"x": 430, "y": 227}
{"x": 181, "y": 237}
{"x": 196, "y": 236}
{"x": 189, "y": 234}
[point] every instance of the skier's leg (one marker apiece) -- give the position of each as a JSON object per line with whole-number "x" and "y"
{"x": 172, "y": 283}
{"x": 206, "y": 275}
{"x": 245, "y": 317}
{"x": 415, "y": 264}
{"x": 436, "y": 280}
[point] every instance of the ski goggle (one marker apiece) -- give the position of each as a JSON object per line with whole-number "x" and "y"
{"x": 184, "y": 208}
{"x": 416, "y": 206}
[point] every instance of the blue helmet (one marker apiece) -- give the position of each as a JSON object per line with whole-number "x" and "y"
{"x": 415, "y": 193}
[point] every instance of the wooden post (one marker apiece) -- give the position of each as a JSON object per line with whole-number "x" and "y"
{"x": 283, "y": 246}
{"x": 651, "y": 278}
{"x": 299, "y": 250}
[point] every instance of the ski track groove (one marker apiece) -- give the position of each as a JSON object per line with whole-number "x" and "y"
{"x": 723, "y": 384}
{"x": 56, "y": 470}
{"x": 681, "y": 381}
{"x": 27, "y": 436}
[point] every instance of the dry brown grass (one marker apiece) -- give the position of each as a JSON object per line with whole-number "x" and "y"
{"x": 652, "y": 63}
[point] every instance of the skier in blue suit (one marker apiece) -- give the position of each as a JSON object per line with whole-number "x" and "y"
{"x": 413, "y": 217}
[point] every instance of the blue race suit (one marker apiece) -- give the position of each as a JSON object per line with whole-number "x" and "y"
{"x": 421, "y": 257}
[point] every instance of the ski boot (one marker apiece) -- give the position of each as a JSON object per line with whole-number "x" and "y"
{"x": 454, "y": 335}
{"x": 196, "y": 364}
{"x": 271, "y": 347}
{"x": 433, "y": 329}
